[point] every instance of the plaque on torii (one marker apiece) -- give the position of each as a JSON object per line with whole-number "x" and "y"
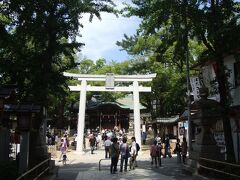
{"x": 109, "y": 83}
{"x": 109, "y": 79}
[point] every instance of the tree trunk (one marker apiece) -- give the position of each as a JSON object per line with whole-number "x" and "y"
{"x": 224, "y": 101}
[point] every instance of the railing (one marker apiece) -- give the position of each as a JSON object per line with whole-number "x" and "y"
{"x": 219, "y": 168}
{"x": 108, "y": 165}
{"x": 99, "y": 164}
{"x": 36, "y": 172}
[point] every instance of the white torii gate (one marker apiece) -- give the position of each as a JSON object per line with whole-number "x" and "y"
{"x": 109, "y": 86}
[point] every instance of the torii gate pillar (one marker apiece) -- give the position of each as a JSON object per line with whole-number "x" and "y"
{"x": 81, "y": 116}
{"x": 137, "y": 125}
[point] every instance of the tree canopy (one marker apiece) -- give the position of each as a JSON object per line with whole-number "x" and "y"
{"x": 38, "y": 43}
{"x": 213, "y": 24}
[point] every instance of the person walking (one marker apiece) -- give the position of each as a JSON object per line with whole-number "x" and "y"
{"x": 158, "y": 138}
{"x": 114, "y": 155}
{"x": 92, "y": 142}
{"x": 133, "y": 153}
{"x": 167, "y": 148}
{"x": 159, "y": 153}
{"x": 124, "y": 152}
{"x": 107, "y": 145}
{"x": 154, "y": 153}
{"x": 178, "y": 151}
{"x": 144, "y": 137}
{"x": 184, "y": 150}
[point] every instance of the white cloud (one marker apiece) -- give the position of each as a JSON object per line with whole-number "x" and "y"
{"x": 100, "y": 37}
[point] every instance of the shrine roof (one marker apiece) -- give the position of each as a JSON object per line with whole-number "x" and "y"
{"x": 7, "y": 90}
{"x": 23, "y": 108}
{"x": 167, "y": 120}
{"x": 127, "y": 101}
{"x": 122, "y": 103}
{"x": 96, "y": 105}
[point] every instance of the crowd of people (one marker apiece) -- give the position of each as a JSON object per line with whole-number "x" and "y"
{"x": 157, "y": 151}
{"x": 126, "y": 153}
{"x": 104, "y": 138}
{"x": 117, "y": 146}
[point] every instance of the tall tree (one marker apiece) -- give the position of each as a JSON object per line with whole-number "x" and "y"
{"x": 38, "y": 43}
{"x": 167, "y": 88}
{"x": 213, "y": 22}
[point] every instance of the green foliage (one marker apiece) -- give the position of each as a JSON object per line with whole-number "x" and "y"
{"x": 214, "y": 24}
{"x": 169, "y": 28}
{"x": 167, "y": 87}
{"x": 38, "y": 43}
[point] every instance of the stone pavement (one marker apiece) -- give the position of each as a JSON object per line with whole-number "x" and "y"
{"x": 85, "y": 166}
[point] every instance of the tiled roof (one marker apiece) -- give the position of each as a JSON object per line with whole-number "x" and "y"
{"x": 6, "y": 91}
{"x": 22, "y": 108}
{"x": 167, "y": 120}
{"x": 127, "y": 102}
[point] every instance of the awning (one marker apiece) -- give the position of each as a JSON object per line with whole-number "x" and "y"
{"x": 184, "y": 115}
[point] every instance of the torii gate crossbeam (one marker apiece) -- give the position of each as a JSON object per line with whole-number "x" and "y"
{"x": 83, "y": 88}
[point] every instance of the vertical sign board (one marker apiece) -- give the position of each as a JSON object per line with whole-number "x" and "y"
{"x": 195, "y": 84}
{"x": 109, "y": 83}
{"x": 182, "y": 131}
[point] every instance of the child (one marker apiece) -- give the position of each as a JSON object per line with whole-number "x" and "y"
{"x": 64, "y": 159}
{"x": 63, "y": 148}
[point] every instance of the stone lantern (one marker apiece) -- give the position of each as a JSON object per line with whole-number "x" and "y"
{"x": 204, "y": 115}
{"x": 7, "y": 94}
{"x": 24, "y": 125}
{"x": 24, "y": 113}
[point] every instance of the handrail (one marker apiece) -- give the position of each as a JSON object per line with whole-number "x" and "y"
{"x": 218, "y": 170}
{"x": 31, "y": 170}
{"x": 220, "y": 162}
{"x": 99, "y": 164}
{"x": 41, "y": 173}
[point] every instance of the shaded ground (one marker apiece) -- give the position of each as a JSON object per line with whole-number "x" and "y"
{"x": 86, "y": 167}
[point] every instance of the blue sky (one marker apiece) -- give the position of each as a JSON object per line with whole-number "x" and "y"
{"x": 100, "y": 36}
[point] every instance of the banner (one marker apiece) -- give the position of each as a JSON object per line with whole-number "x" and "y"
{"x": 195, "y": 84}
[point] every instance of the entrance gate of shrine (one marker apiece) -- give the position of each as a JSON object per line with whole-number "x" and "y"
{"x": 109, "y": 79}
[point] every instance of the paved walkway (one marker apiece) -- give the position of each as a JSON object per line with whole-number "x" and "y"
{"x": 85, "y": 166}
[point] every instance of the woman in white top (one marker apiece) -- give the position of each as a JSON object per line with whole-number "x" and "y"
{"x": 133, "y": 153}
